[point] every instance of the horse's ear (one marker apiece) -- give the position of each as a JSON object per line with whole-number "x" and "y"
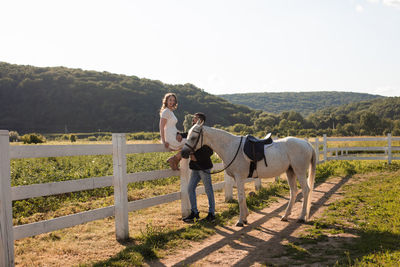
{"x": 200, "y": 122}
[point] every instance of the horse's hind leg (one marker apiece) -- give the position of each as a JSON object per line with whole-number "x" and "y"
{"x": 305, "y": 211}
{"x": 291, "y": 177}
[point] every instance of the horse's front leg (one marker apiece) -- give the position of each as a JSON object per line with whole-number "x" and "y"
{"x": 244, "y": 212}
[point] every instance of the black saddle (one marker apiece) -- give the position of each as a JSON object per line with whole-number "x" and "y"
{"x": 254, "y": 150}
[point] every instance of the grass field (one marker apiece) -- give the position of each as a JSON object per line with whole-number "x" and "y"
{"x": 361, "y": 229}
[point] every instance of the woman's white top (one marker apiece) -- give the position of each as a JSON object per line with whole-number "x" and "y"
{"x": 170, "y": 130}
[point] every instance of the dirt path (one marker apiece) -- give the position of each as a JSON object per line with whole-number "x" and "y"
{"x": 260, "y": 242}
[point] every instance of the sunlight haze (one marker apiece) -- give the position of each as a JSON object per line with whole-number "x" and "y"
{"x": 222, "y": 47}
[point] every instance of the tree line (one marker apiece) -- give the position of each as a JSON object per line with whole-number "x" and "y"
{"x": 372, "y": 117}
{"x": 305, "y": 103}
{"x": 65, "y": 100}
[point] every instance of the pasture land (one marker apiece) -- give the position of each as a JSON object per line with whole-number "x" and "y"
{"x": 362, "y": 228}
{"x": 157, "y": 231}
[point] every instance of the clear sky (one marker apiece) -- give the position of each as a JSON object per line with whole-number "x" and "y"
{"x": 221, "y": 46}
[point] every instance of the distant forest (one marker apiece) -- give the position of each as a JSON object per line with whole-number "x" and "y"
{"x": 373, "y": 117}
{"x": 59, "y": 99}
{"x": 304, "y": 102}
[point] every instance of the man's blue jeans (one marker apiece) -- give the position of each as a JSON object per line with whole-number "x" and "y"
{"x": 195, "y": 177}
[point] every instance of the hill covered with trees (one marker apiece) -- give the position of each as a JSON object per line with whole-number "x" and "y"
{"x": 305, "y": 102}
{"x": 59, "y": 99}
{"x": 373, "y": 117}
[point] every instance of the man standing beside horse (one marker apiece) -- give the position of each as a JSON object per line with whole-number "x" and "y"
{"x": 200, "y": 164}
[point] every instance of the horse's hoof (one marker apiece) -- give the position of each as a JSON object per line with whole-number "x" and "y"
{"x": 301, "y": 221}
{"x": 239, "y": 224}
{"x": 284, "y": 219}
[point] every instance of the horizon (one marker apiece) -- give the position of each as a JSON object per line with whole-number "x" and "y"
{"x": 224, "y": 47}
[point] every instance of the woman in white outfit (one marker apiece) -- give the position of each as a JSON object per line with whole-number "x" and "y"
{"x": 168, "y": 130}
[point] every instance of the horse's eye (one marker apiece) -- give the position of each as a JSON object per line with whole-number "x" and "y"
{"x": 192, "y": 138}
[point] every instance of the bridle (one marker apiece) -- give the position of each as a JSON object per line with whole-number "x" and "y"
{"x": 193, "y": 149}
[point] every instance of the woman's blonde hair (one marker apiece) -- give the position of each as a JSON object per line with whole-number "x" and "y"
{"x": 165, "y": 101}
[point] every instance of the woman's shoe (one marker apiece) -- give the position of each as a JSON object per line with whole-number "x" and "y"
{"x": 173, "y": 163}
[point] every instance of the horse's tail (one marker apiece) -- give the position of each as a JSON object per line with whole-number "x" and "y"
{"x": 312, "y": 170}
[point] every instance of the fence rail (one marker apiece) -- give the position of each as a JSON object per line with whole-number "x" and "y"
{"x": 350, "y": 153}
{"x": 120, "y": 179}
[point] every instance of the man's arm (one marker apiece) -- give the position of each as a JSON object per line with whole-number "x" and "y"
{"x": 184, "y": 135}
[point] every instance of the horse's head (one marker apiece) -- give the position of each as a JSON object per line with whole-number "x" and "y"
{"x": 194, "y": 140}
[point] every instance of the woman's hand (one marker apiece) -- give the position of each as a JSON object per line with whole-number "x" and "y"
{"x": 178, "y": 137}
{"x": 166, "y": 144}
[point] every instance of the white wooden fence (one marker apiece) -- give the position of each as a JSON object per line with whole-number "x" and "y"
{"x": 119, "y": 179}
{"x": 358, "y": 153}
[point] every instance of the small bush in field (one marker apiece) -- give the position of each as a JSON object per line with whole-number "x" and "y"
{"x": 64, "y": 137}
{"x": 13, "y": 136}
{"x": 72, "y": 138}
{"x": 92, "y": 138}
{"x": 143, "y": 136}
{"x": 33, "y": 138}
{"x": 104, "y": 138}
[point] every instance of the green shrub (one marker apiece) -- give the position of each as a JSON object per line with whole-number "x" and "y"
{"x": 92, "y": 138}
{"x": 33, "y": 138}
{"x": 104, "y": 138}
{"x": 144, "y": 136}
{"x": 64, "y": 137}
{"x": 72, "y": 138}
{"x": 13, "y": 136}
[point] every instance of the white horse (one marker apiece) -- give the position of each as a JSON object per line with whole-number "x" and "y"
{"x": 291, "y": 155}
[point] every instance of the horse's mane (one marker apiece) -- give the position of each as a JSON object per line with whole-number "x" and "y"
{"x": 219, "y": 131}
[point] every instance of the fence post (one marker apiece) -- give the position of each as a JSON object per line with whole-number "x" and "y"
{"x": 325, "y": 149}
{"x": 120, "y": 186}
{"x": 257, "y": 184}
{"x": 6, "y": 224}
{"x": 185, "y": 175}
{"x": 389, "y": 148}
{"x": 228, "y": 187}
{"x": 317, "y": 149}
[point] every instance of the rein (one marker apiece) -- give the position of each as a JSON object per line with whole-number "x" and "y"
{"x": 193, "y": 149}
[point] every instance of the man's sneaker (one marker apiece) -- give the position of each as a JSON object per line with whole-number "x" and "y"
{"x": 210, "y": 217}
{"x": 191, "y": 217}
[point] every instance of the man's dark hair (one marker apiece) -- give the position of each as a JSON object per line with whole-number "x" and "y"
{"x": 201, "y": 116}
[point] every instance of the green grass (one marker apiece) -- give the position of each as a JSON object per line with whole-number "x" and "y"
{"x": 296, "y": 252}
{"x": 370, "y": 212}
{"x": 349, "y": 168}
